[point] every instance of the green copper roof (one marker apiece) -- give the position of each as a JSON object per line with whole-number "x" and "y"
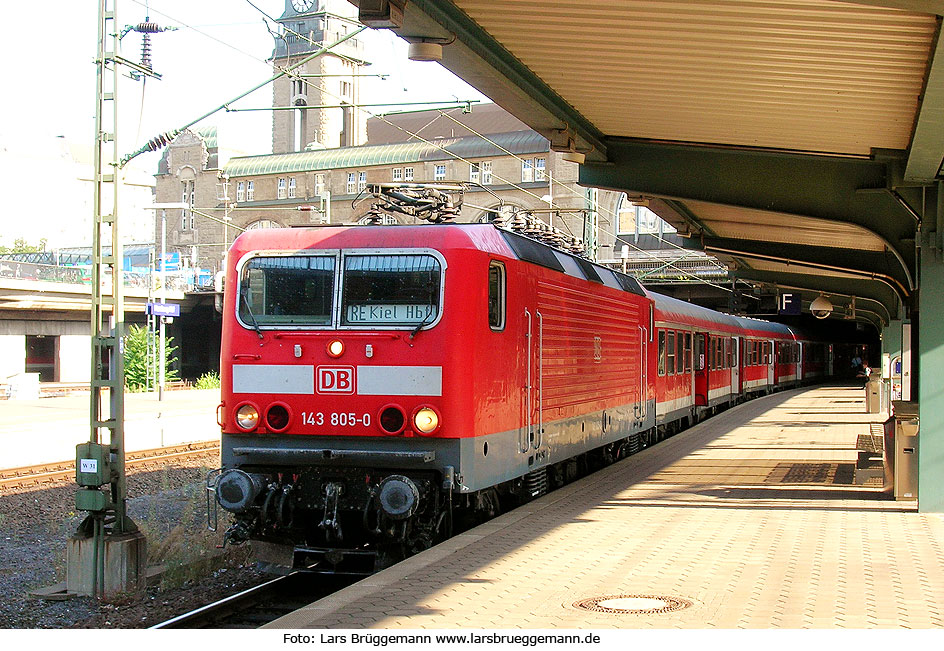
{"x": 518, "y": 142}
{"x": 209, "y": 136}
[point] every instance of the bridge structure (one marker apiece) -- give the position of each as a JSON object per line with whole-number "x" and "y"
{"x": 798, "y": 141}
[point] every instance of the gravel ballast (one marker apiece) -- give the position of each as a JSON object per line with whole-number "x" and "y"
{"x": 168, "y": 505}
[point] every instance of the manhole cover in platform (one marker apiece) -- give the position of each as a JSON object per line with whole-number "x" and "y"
{"x": 633, "y": 604}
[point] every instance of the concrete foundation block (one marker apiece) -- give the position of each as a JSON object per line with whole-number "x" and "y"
{"x": 125, "y": 564}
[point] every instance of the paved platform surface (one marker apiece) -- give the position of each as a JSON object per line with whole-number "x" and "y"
{"x": 47, "y": 430}
{"x": 744, "y": 515}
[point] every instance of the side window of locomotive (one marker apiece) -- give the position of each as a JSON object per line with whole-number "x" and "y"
{"x": 496, "y": 296}
{"x": 661, "y": 352}
{"x": 390, "y": 290}
{"x": 287, "y": 290}
{"x": 688, "y": 352}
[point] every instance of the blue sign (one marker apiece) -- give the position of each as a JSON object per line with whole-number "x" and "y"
{"x": 790, "y": 304}
{"x": 163, "y": 309}
{"x": 171, "y": 261}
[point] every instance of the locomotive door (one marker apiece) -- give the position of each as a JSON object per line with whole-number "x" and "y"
{"x": 532, "y": 435}
{"x": 701, "y": 369}
{"x": 642, "y": 410}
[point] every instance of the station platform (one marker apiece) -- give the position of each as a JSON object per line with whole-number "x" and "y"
{"x": 46, "y": 430}
{"x": 747, "y": 520}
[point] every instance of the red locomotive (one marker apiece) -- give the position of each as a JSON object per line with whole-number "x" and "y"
{"x": 380, "y": 382}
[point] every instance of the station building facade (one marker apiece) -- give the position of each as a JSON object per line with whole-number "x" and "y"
{"x": 513, "y": 166}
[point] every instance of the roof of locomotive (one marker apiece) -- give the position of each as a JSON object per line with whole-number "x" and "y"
{"x": 484, "y": 237}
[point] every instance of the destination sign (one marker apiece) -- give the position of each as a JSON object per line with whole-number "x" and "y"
{"x": 390, "y": 313}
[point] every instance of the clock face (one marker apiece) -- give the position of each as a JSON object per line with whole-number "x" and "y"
{"x": 302, "y": 5}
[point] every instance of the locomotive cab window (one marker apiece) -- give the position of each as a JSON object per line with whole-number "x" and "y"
{"x": 287, "y": 290}
{"x": 390, "y": 290}
{"x": 496, "y": 295}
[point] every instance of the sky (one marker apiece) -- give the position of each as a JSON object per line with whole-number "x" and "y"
{"x": 218, "y": 52}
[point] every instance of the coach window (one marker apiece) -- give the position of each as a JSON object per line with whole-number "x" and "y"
{"x": 390, "y": 290}
{"x": 496, "y": 295}
{"x": 688, "y": 352}
{"x": 679, "y": 353}
{"x": 661, "y": 352}
{"x": 670, "y": 353}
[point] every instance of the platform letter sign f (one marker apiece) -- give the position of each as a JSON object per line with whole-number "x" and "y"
{"x": 790, "y": 304}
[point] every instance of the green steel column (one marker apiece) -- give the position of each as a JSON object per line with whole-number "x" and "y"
{"x": 930, "y": 394}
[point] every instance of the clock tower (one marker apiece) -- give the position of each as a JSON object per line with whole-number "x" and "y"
{"x": 331, "y": 81}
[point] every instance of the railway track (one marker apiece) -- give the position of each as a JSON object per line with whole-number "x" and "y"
{"x": 45, "y": 473}
{"x": 262, "y": 604}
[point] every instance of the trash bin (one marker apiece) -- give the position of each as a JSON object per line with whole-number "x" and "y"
{"x": 901, "y": 452}
{"x": 873, "y": 393}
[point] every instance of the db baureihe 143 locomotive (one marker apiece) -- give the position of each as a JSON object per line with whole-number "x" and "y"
{"x": 383, "y": 385}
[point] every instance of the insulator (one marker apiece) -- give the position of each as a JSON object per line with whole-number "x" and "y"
{"x": 146, "y": 50}
{"x": 148, "y": 28}
{"x": 161, "y": 140}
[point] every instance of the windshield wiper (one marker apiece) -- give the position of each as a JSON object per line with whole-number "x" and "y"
{"x": 426, "y": 321}
{"x": 244, "y": 296}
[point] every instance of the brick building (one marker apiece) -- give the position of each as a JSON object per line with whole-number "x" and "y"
{"x": 327, "y": 151}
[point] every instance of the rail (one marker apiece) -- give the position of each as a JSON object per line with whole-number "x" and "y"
{"x": 48, "y": 472}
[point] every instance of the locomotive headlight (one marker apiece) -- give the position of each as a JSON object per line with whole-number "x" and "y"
{"x": 247, "y": 417}
{"x": 426, "y": 420}
{"x": 335, "y": 348}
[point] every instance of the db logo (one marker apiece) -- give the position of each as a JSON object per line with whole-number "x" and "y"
{"x": 335, "y": 379}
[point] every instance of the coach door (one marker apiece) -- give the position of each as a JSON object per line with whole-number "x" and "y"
{"x": 735, "y": 365}
{"x": 771, "y": 363}
{"x": 701, "y": 369}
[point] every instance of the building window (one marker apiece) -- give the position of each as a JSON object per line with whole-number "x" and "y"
{"x": 440, "y": 173}
{"x": 539, "y": 165}
{"x": 346, "y": 89}
{"x": 187, "y": 197}
{"x": 527, "y": 170}
{"x": 386, "y": 220}
{"x": 408, "y": 174}
{"x": 474, "y": 173}
{"x": 282, "y": 186}
{"x": 241, "y": 191}
{"x": 361, "y": 181}
{"x": 250, "y": 191}
{"x": 397, "y": 174}
{"x": 351, "y": 182}
{"x": 487, "y": 172}
{"x": 319, "y": 185}
{"x": 291, "y": 187}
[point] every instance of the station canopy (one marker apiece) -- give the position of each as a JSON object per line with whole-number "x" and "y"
{"x": 800, "y": 141}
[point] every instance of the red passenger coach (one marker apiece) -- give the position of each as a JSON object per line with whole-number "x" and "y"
{"x": 378, "y": 381}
